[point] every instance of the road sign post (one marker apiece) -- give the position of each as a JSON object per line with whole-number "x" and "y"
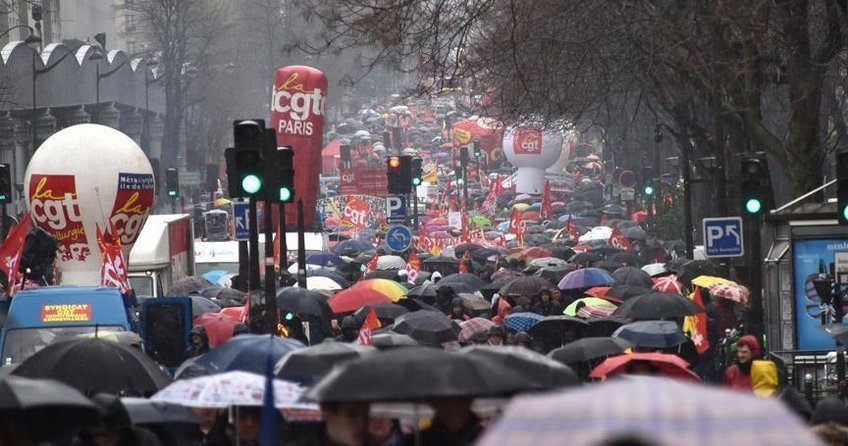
{"x": 723, "y": 237}
{"x": 399, "y": 238}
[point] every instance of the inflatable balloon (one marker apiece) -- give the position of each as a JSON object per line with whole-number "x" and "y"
{"x": 81, "y": 177}
{"x": 532, "y": 151}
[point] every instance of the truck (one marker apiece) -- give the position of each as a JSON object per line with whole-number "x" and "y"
{"x": 163, "y": 254}
{"x": 41, "y": 316}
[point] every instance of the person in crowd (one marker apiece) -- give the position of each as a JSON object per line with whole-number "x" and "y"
{"x": 350, "y": 330}
{"x": 345, "y": 424}
{"x": 496, "y": 335}
{"x": 444, "y": 299}
{"x": 114, "y": 427}
{"x": 384, "y": 432}
{"x": 454, "y": 423}
{"x": 522, "y": 339}
{"x": 765, "y": 383}
{"x": 545, "y": 305}
{"x": 479, "y": 338}
{"x": 830, "y": 421}
{"x": 211, "y": 429}
{"x": 738, "y": 376}
{"x": 458, "y": 310}
{"x": 246, "y": 428}
{"x": 199, "y": 342}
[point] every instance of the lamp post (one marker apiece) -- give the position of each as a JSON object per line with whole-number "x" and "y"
{"x": 16, "y": 27}
{"x": 98, "y": 56}
{"x": 151, "y": 63}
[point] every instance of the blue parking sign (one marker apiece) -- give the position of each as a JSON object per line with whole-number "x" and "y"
{"x": 723, "y": 237}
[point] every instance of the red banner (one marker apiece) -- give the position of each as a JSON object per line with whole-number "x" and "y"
{"x": 355, "y": 213}
{"x": 527, "y": 141}
{"x": 55, "y": 208}
{"x": 297, "y": 115}
{"x": 363, "y": 181}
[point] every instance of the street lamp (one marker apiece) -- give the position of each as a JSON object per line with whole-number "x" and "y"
{"x": 16, "y": 27}
{"x": 151, "y": 63}
{"x": 98, "y": 56}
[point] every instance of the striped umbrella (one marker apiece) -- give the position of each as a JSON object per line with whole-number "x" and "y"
{"x": 474, "y": 325}
{"x": 736, "y": 293}
{"x": 371, "y": 291}
{"x": 668, "y": 284}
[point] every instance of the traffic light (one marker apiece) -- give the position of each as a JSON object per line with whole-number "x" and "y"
{"x": 842, "y": 187}
{"x": 751, "y": 186}
{"x": 478, "y": 151}
{"x": 344, "y": 153}
{"x": 5, "y": 183}
{"x": 463, "y": 156}
{"x": 248, "y": 163}
{"x": 399, "y": 174}
{"x": 416, "y": 172}
{"x": 284, "y": 176}
{"x": 649, "y": 188}
{"x": 459, "y": 179}
{"x": 172, "y": 182}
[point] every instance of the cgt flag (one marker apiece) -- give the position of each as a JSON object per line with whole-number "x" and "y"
{"x": 515, "y": 226}
{"x": 547, "y": 211}
{"x": 618, "y": 240}
{"x": 113, "y": 272}
{"x": 572, "y": 230}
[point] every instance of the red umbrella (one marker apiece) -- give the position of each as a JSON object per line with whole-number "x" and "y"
{"x": 530, "y": 215}
{"x": 355, "y": 298}
{"x": 235, "y": 312}
{"x": 668, "y": 284}
{"x": 598, "y": 291}
{"x": 219, "y": 327}
{"x": 665, "y": 364}
{"x": 536, "y": 253}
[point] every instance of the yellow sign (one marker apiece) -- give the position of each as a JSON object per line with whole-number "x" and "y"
{"x": 66, "y": 313}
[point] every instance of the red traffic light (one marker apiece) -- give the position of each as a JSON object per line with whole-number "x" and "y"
{"x": 394, "y": 162}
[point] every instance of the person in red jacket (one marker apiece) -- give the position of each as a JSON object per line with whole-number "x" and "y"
{"x": 738, "y": 376}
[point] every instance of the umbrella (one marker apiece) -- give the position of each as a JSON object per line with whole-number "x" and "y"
{"x": 128, "y": 338}
{"x": 334, "y": 275}
{"x": 295, "y": 267}
{"x": 247, "y": 352}
{"x": 221, "y": 294}
{"x": 367, "y": 292}
{"x": 652, "y": 334}
{"x": 413, "y": 304}
{"x": 605, "y": 326}
{"x": 215, "y": 276}
{"x": 468, "y": 328}
{"x": 387, "y": 263}
{"x": 574, "y": 307}
{"x": 440, "y": 260}
{"x": 92, "y": 366}
{"x": 200, "y": 305}
{"x": 462, "y": 283}
{"x": 599, "y": 233}
{"x": 144, "y": 411}
{"x": 554, "y": 274}
{"x": 44, "y": 408}
{"x": 693, "y": 269}
{"x": 383, "y": 311}
{"x": 504, "y": 273}
{"x": 351, "y": 248}
{"x": 664, "y": 364}
{"x": 460, "y": 249}
{"x": 321, "y": 283}
{"x": 650, "y": 410}
{"x": 391, "y": 339}
{"x": 668, "y": 284}
{"x": 736, "y": 293}
{"x": 543, "y": 262}
{"x": 634, "y": 233}
{"x": 586, "y": 257}
{"x": 302, "y": 301}
{"x": 525, "y": 286}
{"x": 427, "y": 327}
{"x": 624, "y": 292}
{"x": 475, "y": 303}
{"x": 522, "y": 321}
{"x": 596, "y": 311}
{"x": 556, "y": 325}
{"x": 625, "y": 258}
{"x": 189, "y": 285}
{"x": 237, "y": 388}
{"x": 414, "y": 373}
{"x": 586, "y": 349}
{"x": 481, "y": 221}
{"x": 325, "y": 259}
{"x": 655, "y": 269}
{"x": 585, "y": 278}
{"x": 309, "y": 364}
{"x": 630, "y": 275}
{"x": 545, "y": 372}
{"x": 709, "y": 281}
{"x": 658, "y": 305}
{"x": 219, "y": 326}
{"x": 425, "y": 290}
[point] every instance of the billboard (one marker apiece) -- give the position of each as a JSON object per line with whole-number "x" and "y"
{"x": 808, "y": 258}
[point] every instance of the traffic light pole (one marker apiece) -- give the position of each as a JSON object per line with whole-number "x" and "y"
{"x": 271, "y": 317}
{"x": 465, "y": 187}
{"x": 415, "y": 207}
{"x": 253, "y": 247}
{"x": 284, "y": 249}
{"x": 301, "y": 247}
{"x": 755, "y": 279}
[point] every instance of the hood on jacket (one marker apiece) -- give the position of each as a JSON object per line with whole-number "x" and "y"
{"x": 764, "y": 380}
{"x": 751, "y": 342}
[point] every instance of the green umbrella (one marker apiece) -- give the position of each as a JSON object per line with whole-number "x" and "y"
{"x": 571, "y": 310}
{"x": 481, "y": 221}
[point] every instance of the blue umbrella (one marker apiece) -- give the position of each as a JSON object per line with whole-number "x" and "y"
{"x": 585, "y": 278}
{"x": 247, "y": 352}
{"x": 325, "y": 259}
{"x": 214, "y": 275}
{"x": 522, "y": 321}
{"x": 352, "y": 247}
{"x": 503, "y": 226}
{"x": 654, "y": 334}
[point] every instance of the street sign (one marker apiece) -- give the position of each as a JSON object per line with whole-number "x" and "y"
{"x": 398, "y": 237}
{"x": 627, "y": 178}
{"x": 240, "y": 219}
{"x": 723, "y": 237}
{"x": 628, "y": 193}
{"x": 396, "y": 209}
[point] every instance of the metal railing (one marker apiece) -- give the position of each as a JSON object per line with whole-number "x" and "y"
{"x": 812, "y": 373}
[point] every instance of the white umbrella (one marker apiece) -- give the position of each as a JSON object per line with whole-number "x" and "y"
{"x": 362, "y": 134}
{"x": 654, "y": 269}
{"x": 388, "y": 263}
{"x": 309, "y": 267}
{"x": 597, "y": 233}
{"x": 235, "y": 388}
{"x": 321, "y": 283}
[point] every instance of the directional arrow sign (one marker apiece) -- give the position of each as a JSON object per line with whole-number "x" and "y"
{"x": 240, "y": 213}
{"x": 398, "y": 237}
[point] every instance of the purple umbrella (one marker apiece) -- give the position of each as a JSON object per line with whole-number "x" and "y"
{"x": 585, "y": 278}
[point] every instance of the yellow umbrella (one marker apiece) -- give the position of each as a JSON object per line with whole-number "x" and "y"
{"x": 521, "y": 206}
{"x": 708, "y": 281}
{"x": 221, "y": 202}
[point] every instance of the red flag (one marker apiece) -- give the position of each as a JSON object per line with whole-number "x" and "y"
{"x": 572, "y": 230}
{"x": 463, "y": 268}
{"x": 372, "y": 322}
{"x": 465, "y": 237}
{"x": 372, "y": 265}
{"x": 14, "y": 243}
{"x": 113, "y": 272}
{"x": 696, "y": 326}
{"x": 547, "y": 212}
{"x": 364, "y": 337}
{"x": 498, "y": 186}
{"x": 515, "y": 226}
{"x": 618, "y": 240}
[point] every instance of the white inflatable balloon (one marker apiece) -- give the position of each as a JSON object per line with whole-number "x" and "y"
{"x": 532, "y": 151}
{"x": 82, "y": 177}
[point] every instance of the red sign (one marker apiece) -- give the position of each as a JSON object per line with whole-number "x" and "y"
{"x": 355, "y": 213}
{"x": 363, "y": 181}
{"x": 66, "y": 313}
{"x": 132, "y": 204}
{"x": 297, "y": 115}
{"x": 55, "y": 208}
{"x": 527, "y": 141}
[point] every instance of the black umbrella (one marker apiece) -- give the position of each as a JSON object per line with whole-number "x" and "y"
{"x": 415, "y": 373}
{"x": 459, "y": 250}
{"x": 625, "y": 258}
{"x": 190, "y": 285}
{"x": 561, "y": 252}
{"x": 144, "y": 411}
{"x": 307, "y": 365}
{"x": 351, "y": 248}
{"x": 191, "y": 369}
{"x": 482, "y": 255}
{"x": 607, "y": 265}
{"x": 222, "y": 293}
{"x": 526, "y": 286}
{"x": 556, "y": 325}
{"x": 586, "y": 349}
{"x": 200, "y": 305}
{"x": 462, "y": 283}
{"x": 94, "y": 365}
{"x": 391, "y": 339}
{"x": 413, "y": 304}
{"x": 554, "y": 273}
{"x": 383, "y": 310}
{"x": 301, "y": 300}
{"x": 630, "y": 275}
{"x": 625, "y": 292}
{"x": 635, "y": 233}
{"x": 45, "y": 409}
{"x": 654, "y": 334}
{"x": 427, "y": 290}
{"x": 331, "y": 274}
{"x": 658, "y": 305}
{"x": 535, "y": 367}
{"x": 607, "y": 250}
{"x": 586, "y": 257}
{"x": 427, "y": 327}
{"x": 605, "y": 326}
{"x": 691, "y": 269}
{"x": 440, "y": 259}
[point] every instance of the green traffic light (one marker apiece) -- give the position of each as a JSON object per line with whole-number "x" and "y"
{"x": 172, "y": 193}
{"x": 416, "y": 181}
{"x": 285, "y": 194}
{"x": 251, "y": 183}
{"x": 753, "y": 205}
{"x": 845, "y": 213}
{"x": 649, "y": 190}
